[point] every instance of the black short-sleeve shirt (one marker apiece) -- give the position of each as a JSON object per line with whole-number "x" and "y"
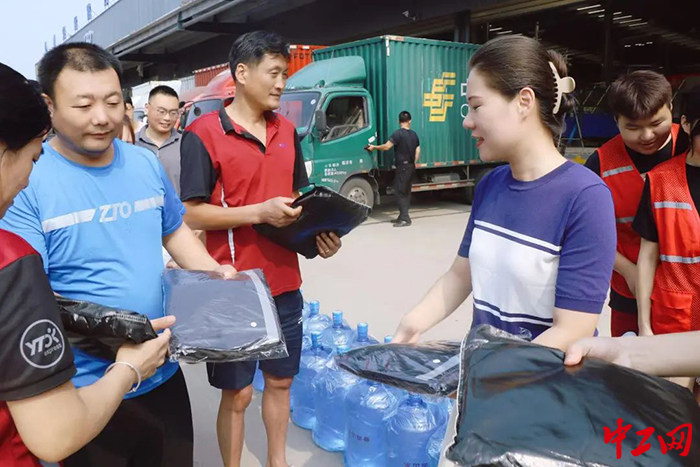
{"x": 405, "y": 144}
{"x": 644, "y": 223}
{"x": 34, "y": 351}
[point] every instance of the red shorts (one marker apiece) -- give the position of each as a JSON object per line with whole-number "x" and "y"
{"x": 621, "y": 323}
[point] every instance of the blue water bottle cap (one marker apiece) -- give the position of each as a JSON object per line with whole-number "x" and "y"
{"x": 343, "y": 349}
{"x": 315, "y": 339}
{"x": 414, "y": 399}
{"x": 388, "y": 339}
{"x": 337, "y": 318}
{"x": 314, "y": 308}
{"x": 362, "y": 332}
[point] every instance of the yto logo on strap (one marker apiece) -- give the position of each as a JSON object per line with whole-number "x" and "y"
{"x": 438, "y": 99}
{"x": 42, "y": 344}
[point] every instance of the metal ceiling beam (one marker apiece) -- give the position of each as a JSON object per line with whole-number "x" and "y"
{"x": 516, "y": 8}
{"x": 148, "y": 58}
{"x": 222, "y": 28}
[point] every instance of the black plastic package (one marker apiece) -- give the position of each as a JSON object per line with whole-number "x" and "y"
{"x": 430, "y": 368}
{"x": 323, "y": 210}
{"x": 100, "y": 330}
{"x": 220, "y": 320}
{"x": 518, "y": 405}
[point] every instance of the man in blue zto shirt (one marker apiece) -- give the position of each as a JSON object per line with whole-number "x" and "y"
{"x": 98, "y": 211}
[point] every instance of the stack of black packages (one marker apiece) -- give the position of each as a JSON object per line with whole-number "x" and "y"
{"x": 323, "y": 210}
{"x": 431, "y": 368}
{"x": 519, "y": 406}
{"x": 220, "y": 320}
{"x": 100, "y": 330}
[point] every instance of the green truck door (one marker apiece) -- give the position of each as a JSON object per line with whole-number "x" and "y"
{"x": 339, "y": 153}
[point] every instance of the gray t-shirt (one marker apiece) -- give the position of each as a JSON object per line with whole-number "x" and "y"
{"x": 168, "y": 154}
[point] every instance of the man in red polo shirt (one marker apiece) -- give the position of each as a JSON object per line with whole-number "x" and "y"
{"x": 243, "y": 166}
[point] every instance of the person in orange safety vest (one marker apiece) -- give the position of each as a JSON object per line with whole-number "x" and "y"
{"x": 641, "y": 103}
{"x": 668, "y": 286}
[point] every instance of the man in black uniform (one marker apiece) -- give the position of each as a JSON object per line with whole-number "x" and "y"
{"x": 406, "y": 152}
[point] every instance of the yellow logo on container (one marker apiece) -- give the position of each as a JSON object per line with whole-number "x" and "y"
{"x": 438, "y": 100}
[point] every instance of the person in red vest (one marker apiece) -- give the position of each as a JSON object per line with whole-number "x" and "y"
{"x": 641, "y": 103}
{"x": 669, "y": 259}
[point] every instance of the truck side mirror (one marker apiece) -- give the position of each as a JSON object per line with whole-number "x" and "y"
{"x": 321, "y": 123}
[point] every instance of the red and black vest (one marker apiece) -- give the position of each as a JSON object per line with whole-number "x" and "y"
{"x": 675, "y": 299}
{"x": 626, "y": 184}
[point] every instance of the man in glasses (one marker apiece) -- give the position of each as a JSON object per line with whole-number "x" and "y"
{"x": 160, "y": 135}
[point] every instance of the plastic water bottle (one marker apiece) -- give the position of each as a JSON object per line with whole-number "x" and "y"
{"x": 338, "y": 334}
{"x": 441, "y": 407}
{"x": 409, "y": 432}
{"x": 313, "y": 362}
{"x": 330, "y": 389}
{"x": 258, "y": 379}
{"x": 315, "y": 322}
{"x": 435, "y": 448}
{"x": 388, "y": 339}
{"x": 363, "y": 338}
{"x": 368, "y": 406}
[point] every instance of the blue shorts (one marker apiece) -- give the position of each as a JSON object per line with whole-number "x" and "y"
{"x": 238, "y": 375}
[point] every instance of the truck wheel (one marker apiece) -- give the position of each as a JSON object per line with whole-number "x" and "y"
{"x": 468, "y": 194}
{"x": 359, "y": 190}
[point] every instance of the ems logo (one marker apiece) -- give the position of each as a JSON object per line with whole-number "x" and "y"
{"x": 42, "y": 344}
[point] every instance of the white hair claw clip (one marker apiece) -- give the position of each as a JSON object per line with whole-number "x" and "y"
{"x": 564, "y": 86}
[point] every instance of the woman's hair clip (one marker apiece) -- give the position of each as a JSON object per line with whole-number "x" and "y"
{"x": 563, "y": 85}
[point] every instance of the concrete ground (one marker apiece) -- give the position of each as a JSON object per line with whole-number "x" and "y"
{"x": 378, "y": 275}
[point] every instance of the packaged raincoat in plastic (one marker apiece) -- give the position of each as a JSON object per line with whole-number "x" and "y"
{"x": 222, "y": 320}
{"x": 520, "y": 406}
{"x": 430, "y": 368}
{"x": 101, "y": 330}
{"x": 323, "y": 210}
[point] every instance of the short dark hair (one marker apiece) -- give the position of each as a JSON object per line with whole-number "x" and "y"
{"x": 127, "y": 100}
{"x": 511, "y": 63}
{"x": 404, "y": 117}
{"x": 251, "y": 47}
{"x": 23, "y": 112}
{"x": 78, "y": 56}
{"x": 639, "y": 94}
{"x": 162, "y": 89}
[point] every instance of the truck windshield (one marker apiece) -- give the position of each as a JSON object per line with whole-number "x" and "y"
{"x": 299, "y": 108}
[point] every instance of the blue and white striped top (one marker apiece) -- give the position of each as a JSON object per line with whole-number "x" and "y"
{"x": 537, "y": 245}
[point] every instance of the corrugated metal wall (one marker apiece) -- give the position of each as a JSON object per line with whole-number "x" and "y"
{"x": 187, "y": 84}
{"x": 204, "y": 75}
{"x": 428, "y": 79}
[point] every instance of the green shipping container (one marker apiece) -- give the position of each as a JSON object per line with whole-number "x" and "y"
{"x": 425, "y": 77}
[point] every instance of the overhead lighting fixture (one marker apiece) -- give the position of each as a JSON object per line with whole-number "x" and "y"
{"x": 630, "y": 21}
{"x": 495, "y": 29}
{"x": 622, "y": 17}
{"x": 617, "y": 13}
{"x": 596, "y": 11}
{"x": 650, "y": 42}
{"x": 597, "y": 5}
{"x": 637, "y": 24}
{"x": 627, "y": 46}
{"x": 504, "y": 32}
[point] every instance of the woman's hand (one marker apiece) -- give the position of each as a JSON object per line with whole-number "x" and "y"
{"x": 406, "y": 333}
{"x": 150, "y": 355}
{"x": 609, "y": 349}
